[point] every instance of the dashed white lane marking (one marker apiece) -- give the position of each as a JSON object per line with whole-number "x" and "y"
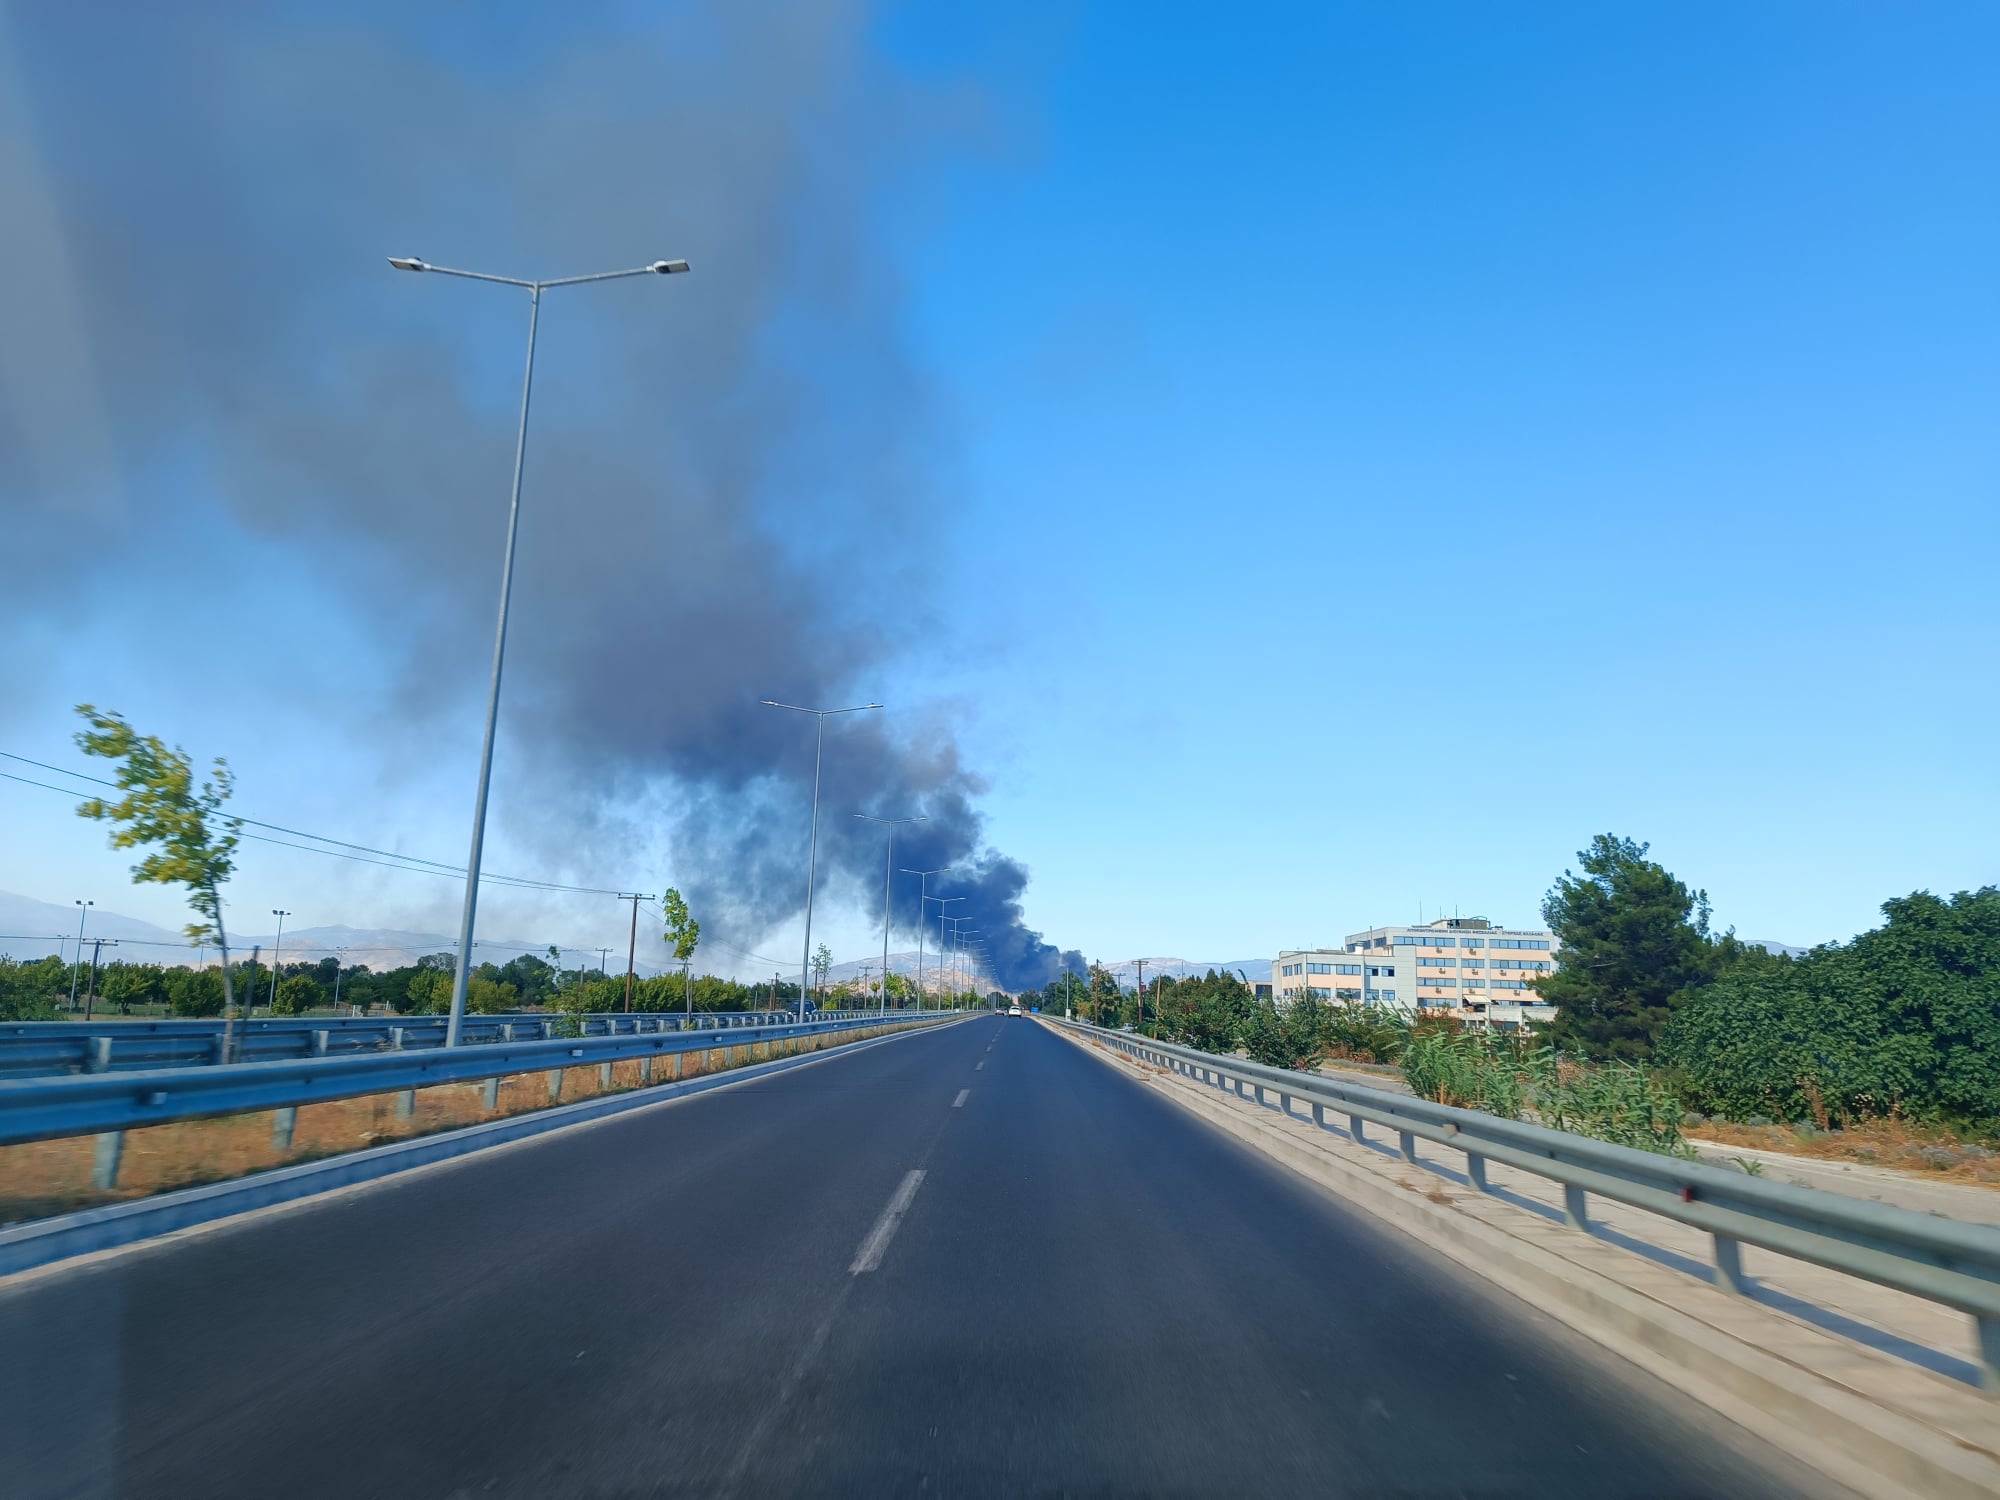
{"x": 869, "y": 1256}
{"x": 959, "y": 1102}
{"x": 978, "y": 1065}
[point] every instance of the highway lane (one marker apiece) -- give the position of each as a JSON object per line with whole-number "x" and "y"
{"x": 1085, "y": 1291}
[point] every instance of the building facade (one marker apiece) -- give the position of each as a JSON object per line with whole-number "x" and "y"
{"x": 1463, "y": 966}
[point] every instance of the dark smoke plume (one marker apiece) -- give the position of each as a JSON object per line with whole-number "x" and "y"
{"x": 199, "y": 204}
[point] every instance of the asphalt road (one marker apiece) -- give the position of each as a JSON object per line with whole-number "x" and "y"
{"x": 1087, "y": 1292}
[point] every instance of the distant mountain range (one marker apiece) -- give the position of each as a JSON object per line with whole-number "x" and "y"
{"x": 36, "y": 929}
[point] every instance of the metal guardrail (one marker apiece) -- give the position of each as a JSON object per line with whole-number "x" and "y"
{"x": 1926, "y": 1255}
{"x": 36, "y": 1049}
{"x": 107, "y": 1105}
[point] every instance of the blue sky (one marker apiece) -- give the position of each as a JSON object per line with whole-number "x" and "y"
{"x": 1343, "y": 458}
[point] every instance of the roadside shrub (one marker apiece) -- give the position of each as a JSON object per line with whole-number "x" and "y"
{"x": 1294, "y": 1037}
{"x": 1625, "y": 1104}
{"x": 1469, "y": 1070}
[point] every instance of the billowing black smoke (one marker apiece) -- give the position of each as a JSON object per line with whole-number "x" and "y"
{"x": 728, "y": 492}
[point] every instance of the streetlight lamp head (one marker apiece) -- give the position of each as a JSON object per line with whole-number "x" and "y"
{"x": 668, "y": 267}
{"x": 407, "y": 263}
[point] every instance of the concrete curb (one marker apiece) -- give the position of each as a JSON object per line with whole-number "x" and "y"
{"x": 1718, "y": 1349}
{"x": 44, "y": 1242}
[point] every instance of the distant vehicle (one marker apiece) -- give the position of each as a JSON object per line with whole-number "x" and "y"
{"x": 1013, "y": 1010}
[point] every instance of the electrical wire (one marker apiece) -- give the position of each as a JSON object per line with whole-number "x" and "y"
{"x": 409, "y": 862}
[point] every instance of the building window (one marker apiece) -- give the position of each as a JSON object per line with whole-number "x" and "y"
{"x": 1389, "y": 995}
{"x": 1437, "y": 963}
{"x": 1347, "y": 968}
{"x": 1436, "y": 983}
{"x": 1347, "y": 994}
{"x": 1508, "y": 984}
{"x": 1381, "y": 971}
{"x": 1319, "y": 968}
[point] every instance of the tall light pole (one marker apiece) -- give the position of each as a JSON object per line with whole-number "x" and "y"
{"x": 888, "y": 878}
{"x": 82, "y": 911}
{"x": 966, "y": 959}
{"x": 534, "y": 290}
{"x": 336, "y": 976}
{"x": 942, "y": 919}
{"x": 923, "y": 916}
{"x": 812, "y": 850}
{"x": 943, "y": 902}
{"x": 276, "y": 943}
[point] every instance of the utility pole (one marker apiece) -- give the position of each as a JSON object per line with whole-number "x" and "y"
{"x": 632, "y": 952}
{"x": 277, "y": 943}
{"x": 98, "y": 945}
{"x": 1142, "y": 994}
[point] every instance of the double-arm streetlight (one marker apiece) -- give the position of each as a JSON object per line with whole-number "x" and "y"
{"x": 820, "y": 716}
{"x": 943, "y": 902}
{"x": 923, "y": 916}
{"x": 942, "y": 919}
{"x": 534, "y": 290}
{"x": 888, "y": 878}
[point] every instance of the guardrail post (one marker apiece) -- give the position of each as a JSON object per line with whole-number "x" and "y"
{"x": 406, "y": 1104}
{"x": 1284, "y": 1104}
{"x": 283, "y": 1123}
{"x": 1576, "y": 1206}
{"x": 506, "y": 1031}
{"x": 1319, "y": 1116}
{"x": 1729, "y": 1265}
{"x": 396, "y": 1038}
{"x": 221, "y": 1053}
{"x": 491, "y": 1092}
{"x": 1988, "y": 1330}
{"x": 555, "y": 1084}
{"x": 604, "y": 1075}
{"x": 1475, "y": 1169}
{"x": 110, "y": 1150}
{"x": 1407, "y": 1143}
{"x": 321, "y": 1041}
{"x": 645, "y": 1070}
{"x": 1260, "y": 1092}
{"x": 1354, "y": 1130}
{"x": 99, "y": 1058}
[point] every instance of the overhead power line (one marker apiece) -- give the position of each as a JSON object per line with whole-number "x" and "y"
{"x": 409, "y": 862}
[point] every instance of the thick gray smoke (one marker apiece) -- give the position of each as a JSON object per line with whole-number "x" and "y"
{"x": 729, "y": 487}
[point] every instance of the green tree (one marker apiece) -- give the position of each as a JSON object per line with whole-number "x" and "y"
{"x": 683, "y": 936}
{"x": 298, "y": 995}
{"x": 127, "y": 985}
{"x": 822, "y": 960}
{"x": 1634, "y": 945}
{"x": 1903, "y": 1019}
{"x": 1294, "y": 1037}
{"x": 487, "y": 996}
{"x": 194, "y": 845}
{"x": 194, "y": 992}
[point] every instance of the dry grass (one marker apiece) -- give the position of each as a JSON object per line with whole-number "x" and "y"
{"x": 52, "y": 1177}
{"x": 1930, "y": 1149}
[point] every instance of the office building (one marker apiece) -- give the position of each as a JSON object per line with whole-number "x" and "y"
{"x": 1464, "y": 966}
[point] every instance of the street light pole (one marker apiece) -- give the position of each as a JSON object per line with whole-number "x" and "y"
{"x": 943, "y": 902}
{"x": 923, "y": 916}
{"x": 888, "y": 878}
{"x": 82, "y": 911}
{"x": 812, "y": 849}
{"x": 534, "y": 290}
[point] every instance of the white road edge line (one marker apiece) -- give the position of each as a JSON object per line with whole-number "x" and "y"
{"x": 959, "y": 1102}
{"x": 978, "y": 1065}
{"x": 869, "y": 1256}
